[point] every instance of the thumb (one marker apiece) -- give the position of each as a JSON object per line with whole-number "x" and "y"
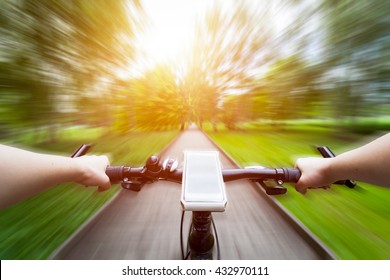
{"x": 105, "y": 184}
{"x": 300, "y": 186}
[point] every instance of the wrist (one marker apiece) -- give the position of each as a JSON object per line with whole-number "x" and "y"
{"x": 78, "y": 170}
{"x": 336, "y": 169}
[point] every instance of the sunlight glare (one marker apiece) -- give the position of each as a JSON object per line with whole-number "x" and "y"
{"x": 167, "y": 34}
{"x": 170, "y": 30}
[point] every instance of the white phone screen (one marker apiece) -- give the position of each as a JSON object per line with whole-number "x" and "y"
{"x": 203, "y": 187}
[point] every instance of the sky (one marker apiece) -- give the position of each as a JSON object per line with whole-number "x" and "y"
{"x": 167, "y": 34}
{"x": 169, "y": 29}
{"x": 172, "y": 22}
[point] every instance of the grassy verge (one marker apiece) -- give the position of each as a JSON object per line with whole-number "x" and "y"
{"x": 354, "y": 224}
{"x": 34, "y": 228}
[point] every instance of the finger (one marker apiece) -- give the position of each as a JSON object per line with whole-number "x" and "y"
{"x": 321, "y": 187}
{"x": 300, "y": 188}
{"x": 106, "y": 160}
{"x": 105, "y": 185}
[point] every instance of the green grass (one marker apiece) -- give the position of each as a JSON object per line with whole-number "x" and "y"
{"x": 357, "y": 125}
{"x": 353, "y": 223}
{"x": 34, "y": 228}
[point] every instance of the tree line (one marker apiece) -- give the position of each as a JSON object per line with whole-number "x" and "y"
{"x": 59, "y": 62}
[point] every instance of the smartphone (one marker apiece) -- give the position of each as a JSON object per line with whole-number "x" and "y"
{"x": 203, "y": 188}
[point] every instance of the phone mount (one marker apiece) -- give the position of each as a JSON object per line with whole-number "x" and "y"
{"x": 203, "y": 188}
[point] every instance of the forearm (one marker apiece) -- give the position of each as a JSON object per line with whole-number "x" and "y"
{"x": 25, "y": 173}
{"x": 369, "y": 163}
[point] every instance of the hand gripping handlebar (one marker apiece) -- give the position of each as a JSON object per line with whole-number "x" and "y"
{"x": 134, "y": 178}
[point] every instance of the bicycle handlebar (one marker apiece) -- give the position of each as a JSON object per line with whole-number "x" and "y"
{"x": 120, "y": 173}
{"x": 134, "y": 178}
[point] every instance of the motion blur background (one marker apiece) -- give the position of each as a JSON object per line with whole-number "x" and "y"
{"x": 127, "y": 65}
{"x": 304, "y": 71}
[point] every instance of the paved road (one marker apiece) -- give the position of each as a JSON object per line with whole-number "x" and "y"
{"x": 146, "y": 225}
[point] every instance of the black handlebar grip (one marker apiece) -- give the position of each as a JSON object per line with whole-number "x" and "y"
{"x": 115, "y": 173}
{"x": 292, "y": 175}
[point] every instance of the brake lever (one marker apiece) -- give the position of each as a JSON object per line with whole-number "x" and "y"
{"x": 133, "y": 185}
{"x": 327, "y": 153}
{"x": 150, "y": 172}
{"x": 82, "y": 150}
{"x": 276, "y": 189}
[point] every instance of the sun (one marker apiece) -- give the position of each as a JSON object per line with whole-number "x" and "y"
{"x": 170, "y": 31}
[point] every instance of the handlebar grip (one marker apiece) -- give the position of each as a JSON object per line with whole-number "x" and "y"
{"x": 115, "y": 173}
{"x": 292, "y": 175}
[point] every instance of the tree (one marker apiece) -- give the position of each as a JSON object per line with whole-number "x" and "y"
{"x": 229, "y": 45}
{"x": 357, "y": 53}
{"x": 157, "y": 100}
{"x": 54, "y": 50}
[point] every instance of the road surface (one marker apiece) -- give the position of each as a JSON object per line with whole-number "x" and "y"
{"x": 146, "y": 225}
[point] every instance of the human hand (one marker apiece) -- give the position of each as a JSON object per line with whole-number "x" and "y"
{"x": 92, "y": 171}
{"x": 315, "y": 173}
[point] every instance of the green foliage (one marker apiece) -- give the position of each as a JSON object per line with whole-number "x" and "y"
{"x": 53, "y": 50}
{"x": 59, "y": 63}
{"x": 357, "y": 53}
{"x": 157, "y": 100}
{"x": 348, "y": 79}
{"x": 224, "y": 53}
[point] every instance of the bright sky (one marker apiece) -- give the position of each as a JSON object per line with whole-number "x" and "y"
{"x": 168, "y": 34}
{"x": 170, "y": 31}
{"x": 171, "y": 26}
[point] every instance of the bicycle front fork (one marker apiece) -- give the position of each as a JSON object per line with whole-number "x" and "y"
{"x": 201, "y": 239}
